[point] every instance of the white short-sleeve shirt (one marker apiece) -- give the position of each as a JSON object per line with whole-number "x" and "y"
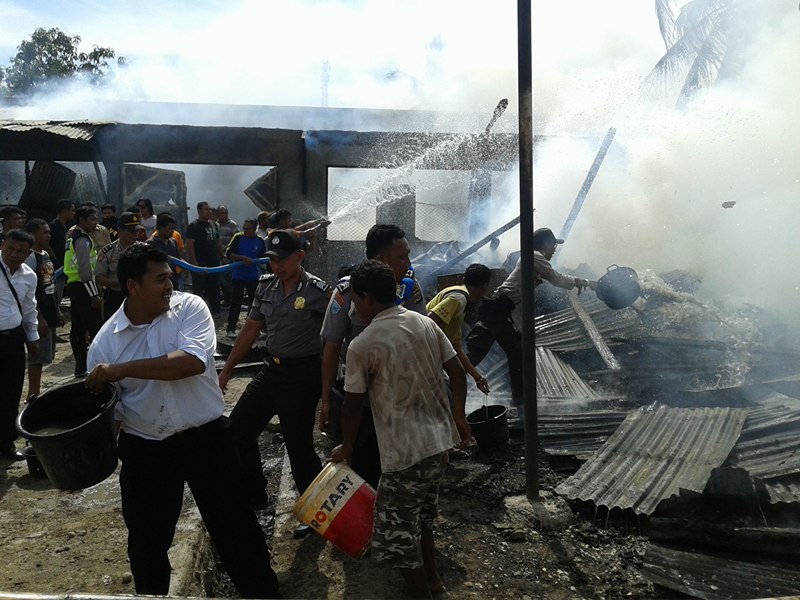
{"x": 157, "y": 409}
{"x": 398, "y": 360}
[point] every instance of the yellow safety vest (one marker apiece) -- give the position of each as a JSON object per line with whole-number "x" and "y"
{"x": 70, "y": 260}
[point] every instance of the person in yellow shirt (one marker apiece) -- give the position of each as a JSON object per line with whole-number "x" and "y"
{"x": 449, "y": 307}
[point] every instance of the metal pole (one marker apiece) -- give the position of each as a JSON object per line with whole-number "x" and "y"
{"x": 474, "y": 247}
{"x": 525, "y": 83}
{"x": 587, "y": 183}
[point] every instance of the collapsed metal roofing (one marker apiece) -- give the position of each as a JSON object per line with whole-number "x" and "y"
{"x": 770, "y": 443}
{"x": 713, "y": 578}
{"x": 76, "y": 130}
{"x": 577, "y": 434}
{"x": 562, "y": 330}
{"x": 556, "y": 379}
{"x": 769, "y": 447}
{"x": 656, "y": 452}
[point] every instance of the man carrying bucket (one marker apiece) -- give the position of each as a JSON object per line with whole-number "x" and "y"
{"x": 386, "y": 243}
{"x": 397, "y": 361}
{"x": 159, "y": 350}
{"x": 448, "y": 309}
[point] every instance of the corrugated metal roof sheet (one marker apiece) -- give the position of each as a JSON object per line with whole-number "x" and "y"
{"x": 556, "y": 379}
{"x": 563, "y": 331}
{"x": 704, "y": 576}
{"x": 654, "y": 453}
{"x": 783, "y": 491}
{"x": 76, "y": 130}
{"x": 579, "y": 434}
{"x": 769, "y": 446}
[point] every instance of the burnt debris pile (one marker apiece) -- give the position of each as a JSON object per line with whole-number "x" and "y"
{"x": 683, "y": 415}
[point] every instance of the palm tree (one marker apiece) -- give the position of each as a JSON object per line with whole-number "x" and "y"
{"x": 705, "y": 42}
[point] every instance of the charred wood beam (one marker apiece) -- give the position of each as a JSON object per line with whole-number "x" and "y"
{"x": 749, "y": 541}
{"x": 597, "y": 339}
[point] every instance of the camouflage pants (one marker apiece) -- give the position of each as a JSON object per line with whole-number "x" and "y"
{"x": 406, "y": 499}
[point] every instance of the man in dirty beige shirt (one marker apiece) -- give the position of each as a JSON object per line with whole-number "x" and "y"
{"x": 398, "y": 360}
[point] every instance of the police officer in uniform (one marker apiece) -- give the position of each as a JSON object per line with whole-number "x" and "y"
{"x": 388, "y": 244}
{"x": 289, "y": 305}
{"x": 80, "y": 261}
{"x": 128, "y": 226}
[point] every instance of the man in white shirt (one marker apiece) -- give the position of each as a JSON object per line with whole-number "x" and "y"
{"x": 398, "y": 360}
{"x": 159, "y": 350}
{"x": 18, "y": 328}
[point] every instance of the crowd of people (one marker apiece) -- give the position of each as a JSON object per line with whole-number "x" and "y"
{"x": 369, "y": 351}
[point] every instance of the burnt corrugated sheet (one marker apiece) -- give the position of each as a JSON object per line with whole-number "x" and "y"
{"x": 556, "y": 379}
{"x": 494, "y": 367}
{"x": 770, "y": 443}
{"x": 76, "y": 130}
{"x": 783, "y": 491}
{"x": 713, "y": 578}
{"x": 577, "y": 434}
{"x": 769, "y": 447}
{"x": 654, "y": 453}
{"x": 562, "y": 331}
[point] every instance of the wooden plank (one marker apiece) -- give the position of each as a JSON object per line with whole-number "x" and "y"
{"x": 594, "y": 335}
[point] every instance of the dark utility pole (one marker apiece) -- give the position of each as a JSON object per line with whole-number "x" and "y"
{"x": 525, "y": 83}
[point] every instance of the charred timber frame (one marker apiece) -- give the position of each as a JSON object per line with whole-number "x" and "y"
{"x": 594, "y": 334}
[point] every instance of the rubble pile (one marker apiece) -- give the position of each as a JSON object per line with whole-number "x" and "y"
{"x": 695, "y": 436}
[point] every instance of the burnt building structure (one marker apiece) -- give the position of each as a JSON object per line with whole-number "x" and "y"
{"x": 297, "y": 161}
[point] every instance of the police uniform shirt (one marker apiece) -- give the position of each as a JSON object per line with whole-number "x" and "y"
{"x": 107, "y": 260}
{"x": 292, "y": 322}
{"x": 343, "y": 323}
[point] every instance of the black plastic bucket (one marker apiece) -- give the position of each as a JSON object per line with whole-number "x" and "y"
{"x": 35, "y": 468}
{"x": 72, "y": 433}
{"x": 489, "y": 425}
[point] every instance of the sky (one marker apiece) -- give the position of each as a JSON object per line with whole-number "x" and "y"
{"x": 657, "y": 202}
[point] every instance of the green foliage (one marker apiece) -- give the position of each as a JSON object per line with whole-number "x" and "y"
{"x": 51, "y": 57}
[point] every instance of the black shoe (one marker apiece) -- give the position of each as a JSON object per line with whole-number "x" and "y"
{"x": 301, "y": 531}
{"x": 12, "y": 454}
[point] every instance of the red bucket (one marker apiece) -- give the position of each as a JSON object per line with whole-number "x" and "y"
{"x": 338, "y": 505}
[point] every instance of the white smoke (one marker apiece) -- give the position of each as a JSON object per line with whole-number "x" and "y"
{"x": 658, "y": 199}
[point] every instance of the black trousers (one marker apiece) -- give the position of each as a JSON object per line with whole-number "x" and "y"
{"x": 238, "y": 288}
{"x": 366, "y": 459}
{"x": 112, "y": 300}
{"x": 12, "y": 376}
{"x": 152, "y": 480}
{"x": 206, "y": 285}
{"x": 85, "y": 319}
{"x": 290, "y": 390}
{"x": 495, "y": 324}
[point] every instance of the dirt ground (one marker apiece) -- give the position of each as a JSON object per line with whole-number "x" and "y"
{"x": 57, "y": 542}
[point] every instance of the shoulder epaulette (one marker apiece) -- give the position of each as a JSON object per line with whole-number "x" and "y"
{"x": 267, "y": 277}
{"x": 107, "y": 248}
{"x": 319, "y": 284}
{"x": 344, "y": 284}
